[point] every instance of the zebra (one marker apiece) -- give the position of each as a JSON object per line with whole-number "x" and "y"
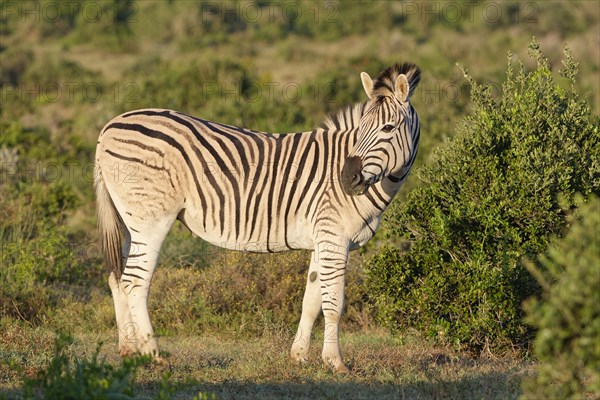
{"x": 323, "y": 190}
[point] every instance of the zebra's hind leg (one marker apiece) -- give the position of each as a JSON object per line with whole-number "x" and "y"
{"x": 126, "y": 329}
{"x": 311, "y": 306}
{"x": 135, "y": 285}
{"x": 127, "y": 344}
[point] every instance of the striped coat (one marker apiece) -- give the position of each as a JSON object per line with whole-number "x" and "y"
{"x": 241, "y": 189}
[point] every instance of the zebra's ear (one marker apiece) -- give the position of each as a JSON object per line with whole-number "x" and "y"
{"x": 367, "y": 83}
{"x": 402, "y": 88}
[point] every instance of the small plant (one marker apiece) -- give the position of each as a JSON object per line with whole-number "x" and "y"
{"x": 567, "y": 316}
{"x": 82, "y": 378}
{"x": 72, "y": 378}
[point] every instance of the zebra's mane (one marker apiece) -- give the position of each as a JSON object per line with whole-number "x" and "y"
{"x": 344, "y": 119}
{"x": 383, "y": 85}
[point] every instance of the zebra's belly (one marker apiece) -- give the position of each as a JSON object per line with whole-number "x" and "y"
{"x": 253, "y": 246}
{"x": 253, "y": 236}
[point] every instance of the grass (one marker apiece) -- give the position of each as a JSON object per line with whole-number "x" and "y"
{"x": 249, "y": 367}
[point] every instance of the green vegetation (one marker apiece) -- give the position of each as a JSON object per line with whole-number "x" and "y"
{"x": 70, "y": 377}
{"x": 35, "y": 249}
{"x": 567, "y": 317}
{"x": 82, "y": 379}
{"x": 476, "y": 205}
{"x": 490, "y": 198}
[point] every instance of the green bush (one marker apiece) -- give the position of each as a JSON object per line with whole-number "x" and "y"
{"x": 489, "y": 199}
{"x": 567, "y": 317}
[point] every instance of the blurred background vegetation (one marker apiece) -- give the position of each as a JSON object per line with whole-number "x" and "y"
{"x": 66, "y": 68}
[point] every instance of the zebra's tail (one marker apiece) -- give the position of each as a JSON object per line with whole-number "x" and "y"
{"x": 111, "y": 226}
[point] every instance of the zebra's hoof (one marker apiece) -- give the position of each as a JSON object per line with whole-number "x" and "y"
{"x": 341, "y": 369}
{"x": 299, "y": 352}
{"x": 336, "y": 366}
{"x": 299, "y": 357}
{"x": 126, "y": 352}
{"x": 160, "y": 361}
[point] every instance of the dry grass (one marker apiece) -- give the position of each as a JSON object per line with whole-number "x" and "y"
{"x": 252, "y": 367}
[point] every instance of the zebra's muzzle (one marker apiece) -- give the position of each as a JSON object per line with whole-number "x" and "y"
{"x": 352, "y": 178}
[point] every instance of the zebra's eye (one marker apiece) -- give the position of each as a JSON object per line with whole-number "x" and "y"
{"x": 388, "y": 128}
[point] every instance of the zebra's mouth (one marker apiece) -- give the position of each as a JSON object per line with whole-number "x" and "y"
{"x": 352, "y": 179}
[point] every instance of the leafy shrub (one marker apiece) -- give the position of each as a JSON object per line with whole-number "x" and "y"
{"x": 490, "y": 198}
{"x": 567, "y": 317}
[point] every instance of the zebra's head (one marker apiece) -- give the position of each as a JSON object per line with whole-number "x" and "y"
{"x": 387, "y": 129}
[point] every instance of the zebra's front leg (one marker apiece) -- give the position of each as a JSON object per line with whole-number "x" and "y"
{"x": 332, "y": 260}
{"x": 311, "y": 306}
